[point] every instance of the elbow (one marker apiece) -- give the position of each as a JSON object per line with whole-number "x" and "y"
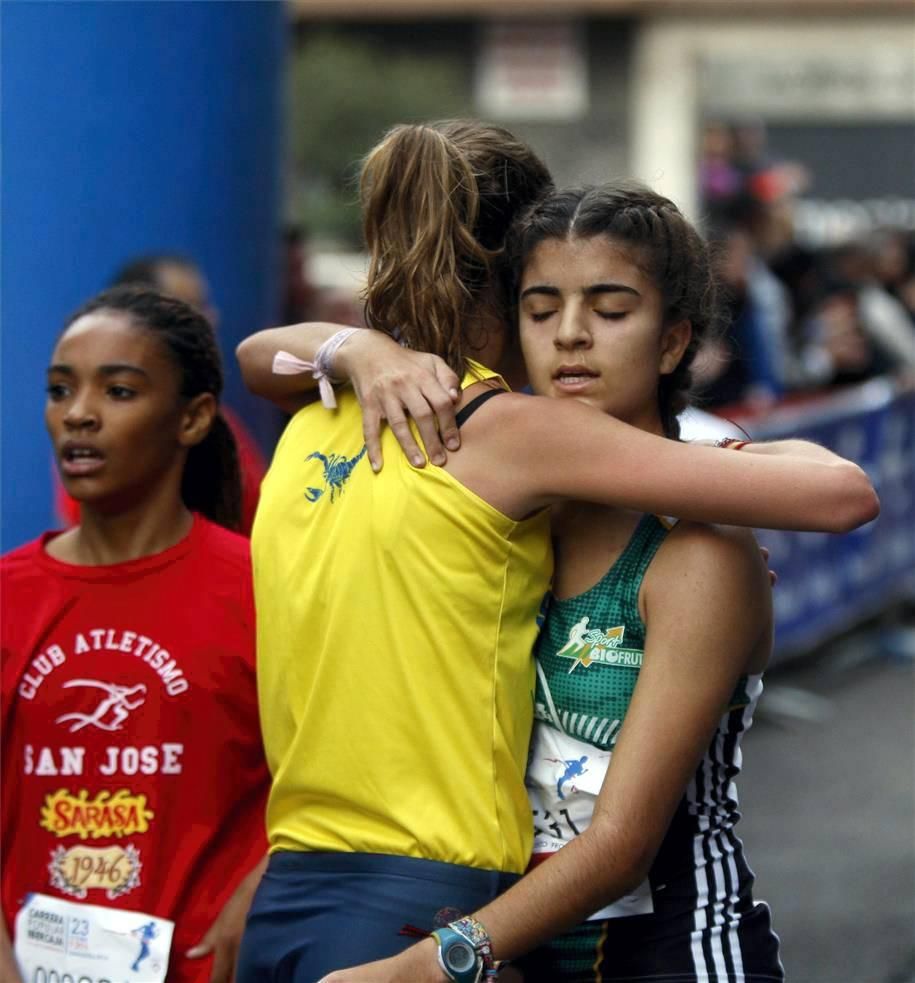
{"x": 626, "y": 857}
{"x": 245, "y": 354}
{"x": 859, "y": 503}
{"x": 636, "y": 870}
{"x": 242, "y": 351}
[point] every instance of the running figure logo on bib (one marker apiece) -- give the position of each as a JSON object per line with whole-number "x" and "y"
{"x": 593, "y": 646}
{"x": 145, "y": 933}
{"x": 573, "y": 767}
{"x": 563, "y": 781}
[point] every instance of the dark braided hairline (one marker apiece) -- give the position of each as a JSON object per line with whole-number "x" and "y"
{"x": 673, "y": 254}
{"x": 211, "y": 482}
{"x": 184, "y": 330}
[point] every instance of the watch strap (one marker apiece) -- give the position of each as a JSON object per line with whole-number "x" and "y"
{"x": 478, "y": 937}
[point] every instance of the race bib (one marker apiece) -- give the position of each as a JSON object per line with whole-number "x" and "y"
{"x": 564, "y": 778}
{"x": 61, "y": 941}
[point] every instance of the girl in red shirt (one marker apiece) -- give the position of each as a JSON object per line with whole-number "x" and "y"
{"x": 134, "y": 776}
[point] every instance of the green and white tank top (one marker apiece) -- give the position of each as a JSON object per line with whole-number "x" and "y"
{"x": 589, "y": 654}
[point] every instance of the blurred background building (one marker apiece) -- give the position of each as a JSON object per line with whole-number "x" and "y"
{"x": 606, "y": 88}
{"x": 230, "y": 133}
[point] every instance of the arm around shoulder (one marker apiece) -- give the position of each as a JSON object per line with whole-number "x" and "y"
{"x": 255, "y": 356}
{"x": 391, "y": 383}
{"x": 855, "y": 499}
{"x": 562, "y": 450}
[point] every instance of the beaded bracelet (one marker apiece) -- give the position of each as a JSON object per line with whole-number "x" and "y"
{"x": 324, "y": 356}
{"x": 478, "y": 937}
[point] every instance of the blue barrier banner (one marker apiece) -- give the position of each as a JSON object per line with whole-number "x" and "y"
{"x": 829, "y": 583}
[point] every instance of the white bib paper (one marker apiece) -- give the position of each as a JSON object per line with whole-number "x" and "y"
{"x": 61, "y": 941}
{"x": 564, "y": 778}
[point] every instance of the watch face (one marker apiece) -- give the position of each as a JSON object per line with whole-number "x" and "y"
{"x": 459, "y": 957}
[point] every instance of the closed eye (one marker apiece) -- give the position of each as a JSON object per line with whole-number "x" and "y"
{"x": 612, "y": 315}
{"x": 538, "y": 316}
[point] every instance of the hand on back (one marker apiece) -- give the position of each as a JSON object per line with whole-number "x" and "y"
{"x": 394, "y": 385}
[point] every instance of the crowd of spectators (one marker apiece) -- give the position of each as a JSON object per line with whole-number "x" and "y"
{"x": 804, "y": 317}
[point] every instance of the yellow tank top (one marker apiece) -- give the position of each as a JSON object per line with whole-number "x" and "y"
{"x": 396, "y": 615}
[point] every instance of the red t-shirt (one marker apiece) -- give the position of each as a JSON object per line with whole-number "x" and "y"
{"x": 133, "y": 769}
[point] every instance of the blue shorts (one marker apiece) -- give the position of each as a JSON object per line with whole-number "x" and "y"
{"x": 317, "y": 912}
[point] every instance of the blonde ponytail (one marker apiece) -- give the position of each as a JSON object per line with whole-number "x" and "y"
{"x": 421, "y": 202}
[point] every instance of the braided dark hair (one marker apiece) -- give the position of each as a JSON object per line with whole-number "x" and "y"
{"x": 662, "y": 243}
{"x": 211, "y": 483}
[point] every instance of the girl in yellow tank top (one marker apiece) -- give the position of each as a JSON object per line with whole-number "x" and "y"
{"x": 396, "y": 618}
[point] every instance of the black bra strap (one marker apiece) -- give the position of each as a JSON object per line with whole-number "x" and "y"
{"x": 466, "y": 412}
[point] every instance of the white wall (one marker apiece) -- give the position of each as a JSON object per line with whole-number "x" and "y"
{"x": 853, "y": 68}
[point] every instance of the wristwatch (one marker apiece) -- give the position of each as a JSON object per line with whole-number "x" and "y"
{"x": 457, "y": 956}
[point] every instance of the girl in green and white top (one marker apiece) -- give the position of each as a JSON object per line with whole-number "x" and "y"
{"x": 649, "y": 663}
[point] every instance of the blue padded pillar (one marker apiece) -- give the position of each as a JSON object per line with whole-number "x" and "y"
{"x": 129, "y": 127}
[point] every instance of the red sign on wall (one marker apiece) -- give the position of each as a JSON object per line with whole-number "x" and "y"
{"x": 532, "y": 71}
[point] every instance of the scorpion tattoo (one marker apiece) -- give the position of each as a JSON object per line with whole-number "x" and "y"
{"x": 337, "y": 469}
